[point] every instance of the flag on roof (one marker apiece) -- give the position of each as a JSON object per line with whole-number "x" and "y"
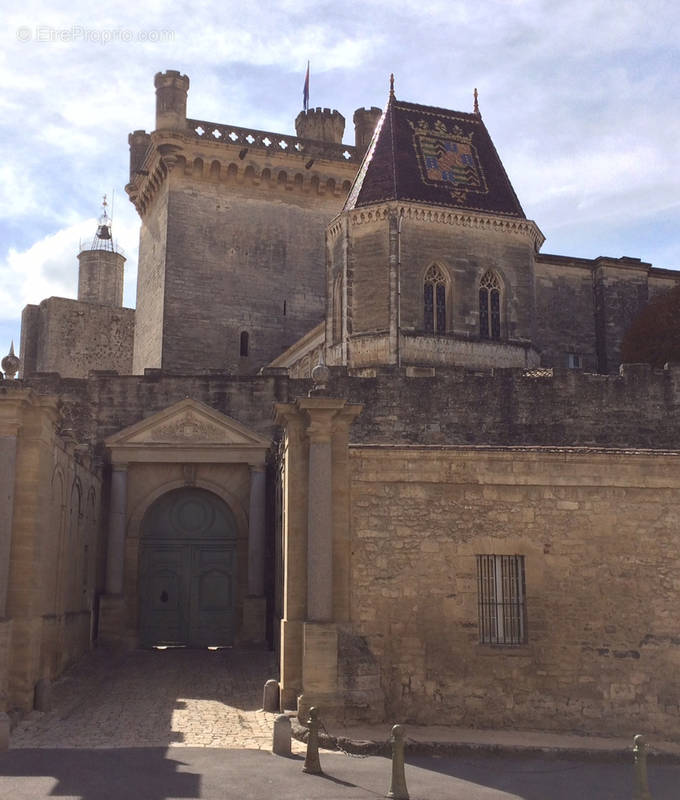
{"x": 305, "y": 91}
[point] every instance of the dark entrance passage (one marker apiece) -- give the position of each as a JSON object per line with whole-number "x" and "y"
{"x": 187, "y": 569}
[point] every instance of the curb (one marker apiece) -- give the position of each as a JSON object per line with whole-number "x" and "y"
{"x": 365, "y": 747}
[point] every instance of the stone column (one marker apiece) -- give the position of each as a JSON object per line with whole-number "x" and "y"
{"x": 256, "y": 530}
{"x": 115, "y": 550}
{"x": 320, "y": 520}
{"x": 255, "y": 604}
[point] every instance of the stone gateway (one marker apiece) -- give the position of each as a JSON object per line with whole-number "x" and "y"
{"x": 356, "y": 416}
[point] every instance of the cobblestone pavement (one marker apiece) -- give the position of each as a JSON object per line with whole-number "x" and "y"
{"x": 156, "y": 698}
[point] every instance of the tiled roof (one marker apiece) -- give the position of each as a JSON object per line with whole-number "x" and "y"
{"x": 430, "y": 155}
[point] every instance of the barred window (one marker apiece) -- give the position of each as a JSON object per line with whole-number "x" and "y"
{"x": 501, "y": 597}
{"x": 490, "y": 306}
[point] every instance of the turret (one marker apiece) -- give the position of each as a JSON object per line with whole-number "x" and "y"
{"x": 322, "y": 125}
{"x": 100, "y": 271}
{"x": 365, "y": 120}
{"x": 171, "y": 100}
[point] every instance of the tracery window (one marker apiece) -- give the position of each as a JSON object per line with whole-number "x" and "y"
{"x": 434, "y": 298}
{"x": 490, "y": 306}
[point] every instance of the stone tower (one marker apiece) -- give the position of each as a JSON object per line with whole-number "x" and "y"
{"x": 231, "y": 255}
{"x": 100, "y": 271}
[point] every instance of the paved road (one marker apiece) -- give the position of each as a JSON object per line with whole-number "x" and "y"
{"x": 160, "y": 725}
{"x": 212, "y": 774}
{"x": 156, "y": 698}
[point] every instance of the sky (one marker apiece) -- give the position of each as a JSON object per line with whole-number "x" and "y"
{"x": 581, "y": 98}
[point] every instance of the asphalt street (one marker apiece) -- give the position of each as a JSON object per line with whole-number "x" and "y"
{"x": 212, "y": 773}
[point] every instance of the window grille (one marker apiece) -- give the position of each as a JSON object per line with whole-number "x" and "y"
{"x": 501, "y": 598}
{"x": 434, "y": 300}
{"x": 490, "y": 306}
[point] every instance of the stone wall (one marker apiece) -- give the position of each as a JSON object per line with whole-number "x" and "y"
{"x": 55, "y": 497}
{"x": 73, "y": 337}
{"x": 638, "y": 409}
{"x": 148, "y": 340}
{"x": 584, "y": 306}
{"x": 597, "y": 533}
{"x": 240, "y": 264}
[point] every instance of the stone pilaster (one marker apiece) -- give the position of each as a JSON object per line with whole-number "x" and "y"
{"x": 115, "y": 549}
{"x": 112, "y": 604}
{"x": 309, "y": 639}
{"x": 8, "y": 454}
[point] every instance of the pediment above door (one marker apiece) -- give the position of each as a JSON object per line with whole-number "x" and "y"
{"x": 188, "y": 431}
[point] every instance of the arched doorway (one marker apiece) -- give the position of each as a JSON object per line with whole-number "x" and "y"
{"x": 187, "y": 569}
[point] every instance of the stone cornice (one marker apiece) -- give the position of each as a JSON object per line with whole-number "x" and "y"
{"x": 226, "y": 161}
{"x": 442, "y": 216}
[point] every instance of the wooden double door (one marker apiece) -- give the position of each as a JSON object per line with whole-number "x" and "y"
{"x": 187, "y": 569}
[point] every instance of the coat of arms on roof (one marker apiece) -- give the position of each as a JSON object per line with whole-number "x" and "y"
{"x": 448, "y": 159}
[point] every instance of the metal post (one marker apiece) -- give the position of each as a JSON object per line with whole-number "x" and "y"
{"x": 641, "y": 791}
{"x": 398, "y": 789}
{"x": 312, "y": 763}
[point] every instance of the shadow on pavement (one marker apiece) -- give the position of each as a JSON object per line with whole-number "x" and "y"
{"x": 117, "y": 774}
{"x": 552, "y": 776}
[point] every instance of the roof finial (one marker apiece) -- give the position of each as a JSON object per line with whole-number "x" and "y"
{"x": 10, "y": 364}
{"x": 391, "y": 84}
{"x": 475, "y": 110}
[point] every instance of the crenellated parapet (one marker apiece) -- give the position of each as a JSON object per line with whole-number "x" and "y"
{"x": 242, "y": 156}
{"x": 315, "y": 161}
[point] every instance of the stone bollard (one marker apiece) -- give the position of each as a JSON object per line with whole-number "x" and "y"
{"x": 312, "y": 764}
{"x": 43, "y": 695}
{"x": 4, "y": 731}
{"x": 398, "y": 789}
{"x": 270, "y": 696}
{"x": 281, "y": 738}
{"x": 641, "y": 791}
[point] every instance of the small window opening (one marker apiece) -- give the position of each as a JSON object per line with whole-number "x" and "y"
{"x": 244, "y": 344}
{"x": 574, "y": 361}
{"x": 284, "y": 308}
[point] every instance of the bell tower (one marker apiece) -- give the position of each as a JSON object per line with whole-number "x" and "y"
{"x": 100, "y": 267}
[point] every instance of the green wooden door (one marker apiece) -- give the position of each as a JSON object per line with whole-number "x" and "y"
{"x": 187, "y": 567}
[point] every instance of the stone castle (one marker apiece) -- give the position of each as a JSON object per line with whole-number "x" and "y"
{"x": 358, "y": 416}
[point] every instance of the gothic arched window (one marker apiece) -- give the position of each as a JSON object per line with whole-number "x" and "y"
{"x": 490, "y": 306}
{"x": 434, "y": 300}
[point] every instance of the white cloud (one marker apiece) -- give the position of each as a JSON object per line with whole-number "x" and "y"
{"x": 49, "y": 267}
